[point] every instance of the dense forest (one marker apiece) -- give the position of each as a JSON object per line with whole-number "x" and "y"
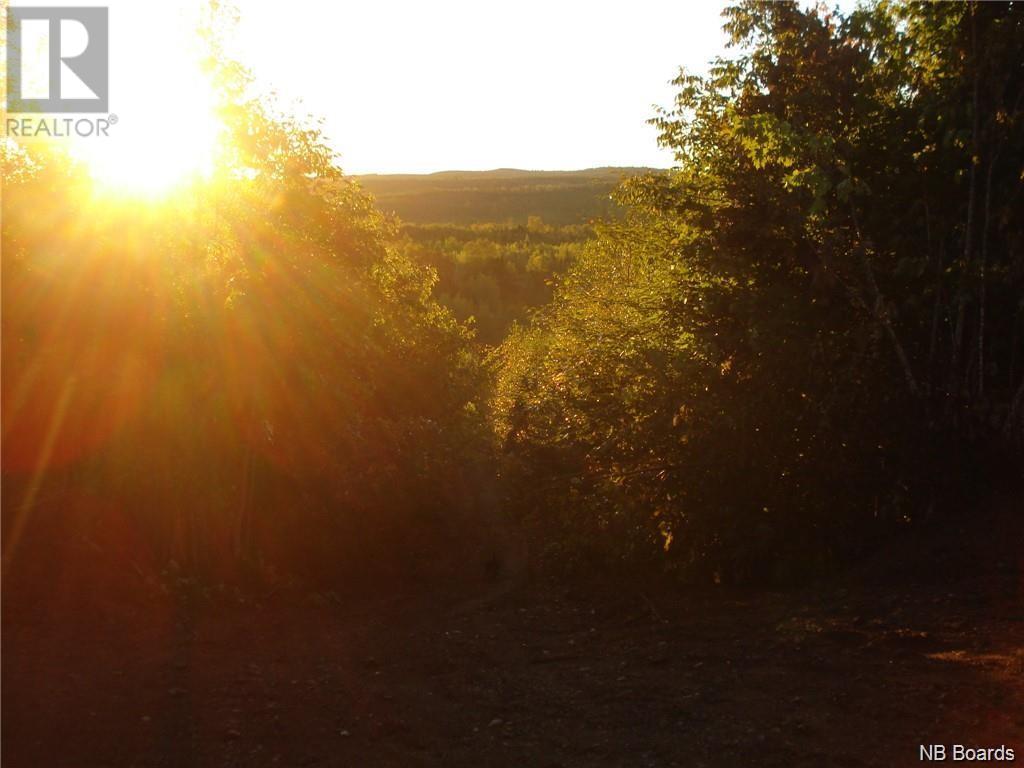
{"x": 497, "y": 239}
{"x": 252, "y": 368}
{"x": 805, "y": 336}
{"x": 799, "y": 349}
{"x": 808, "y": 334}
{"x": 493, "y": 275}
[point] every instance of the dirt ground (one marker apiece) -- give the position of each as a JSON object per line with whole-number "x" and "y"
{"x": 540, "y": 675}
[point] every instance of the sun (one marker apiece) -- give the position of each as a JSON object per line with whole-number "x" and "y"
{"x": 155, "y": 159}
{"x": 164, "y": 131}
{"x": 153, "y": 150}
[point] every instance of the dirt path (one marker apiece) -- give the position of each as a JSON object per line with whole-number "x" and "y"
{"x": 536, "y": 677}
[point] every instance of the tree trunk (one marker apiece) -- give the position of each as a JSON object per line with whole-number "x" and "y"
{"x": 880, "y": 309}
{"x": 958, "y": 335}
{"x": 983, "y": 266}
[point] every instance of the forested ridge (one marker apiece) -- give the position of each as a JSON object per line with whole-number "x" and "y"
{"x": 497, "y": 239}
{"x": 502, "y": 196}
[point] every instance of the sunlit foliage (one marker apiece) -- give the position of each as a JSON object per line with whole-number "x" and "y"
{"x": 244, "y": 367}
{"x": 494, "y": 274}
{"x": 811, "y": 331}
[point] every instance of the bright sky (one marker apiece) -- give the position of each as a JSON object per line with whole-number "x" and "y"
{"x": 420, "y": 86}
{"x": 417, "y": 86}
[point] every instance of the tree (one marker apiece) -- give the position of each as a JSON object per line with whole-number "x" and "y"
{"x": 251, "y": 369}
{"x": 794, "y": 336}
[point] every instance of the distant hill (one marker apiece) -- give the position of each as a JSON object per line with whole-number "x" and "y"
{"x": 504, "y": 196}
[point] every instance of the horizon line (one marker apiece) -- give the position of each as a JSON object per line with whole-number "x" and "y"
{"x": 508, "y": 169}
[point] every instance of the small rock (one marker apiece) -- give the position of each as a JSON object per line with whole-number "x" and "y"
{"x": 495, "y": 722}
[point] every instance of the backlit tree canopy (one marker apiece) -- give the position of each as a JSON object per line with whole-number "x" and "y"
{"x": 792, "y": 338}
